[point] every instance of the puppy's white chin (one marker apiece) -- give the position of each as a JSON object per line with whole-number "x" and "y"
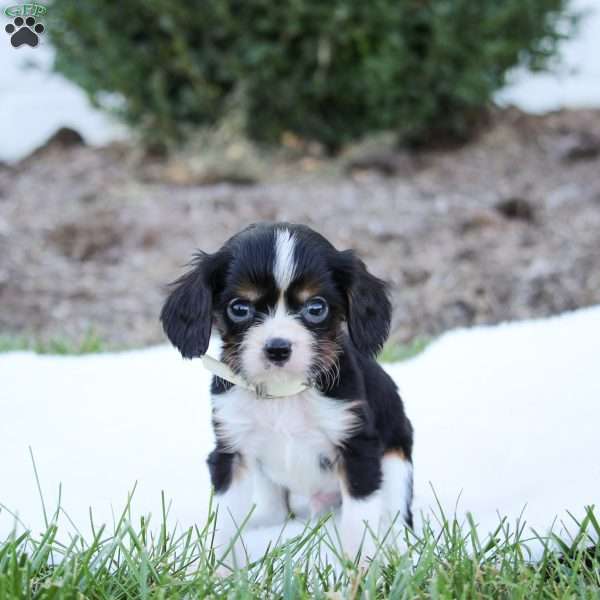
{"x": 256, "y": 367}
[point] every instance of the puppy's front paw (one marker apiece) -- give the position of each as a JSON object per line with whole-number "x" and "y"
{"x": 361, "y": 520}
{"x": 230, "y": 552}
{"x": 360, "y": 548}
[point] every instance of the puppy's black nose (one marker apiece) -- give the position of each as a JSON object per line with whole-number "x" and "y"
{"x": 278, "y": 350}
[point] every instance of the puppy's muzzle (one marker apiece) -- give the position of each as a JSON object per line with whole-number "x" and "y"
{"x": 278, "y": 350}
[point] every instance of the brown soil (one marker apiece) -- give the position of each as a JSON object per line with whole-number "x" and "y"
{"x": 507, "y": 227}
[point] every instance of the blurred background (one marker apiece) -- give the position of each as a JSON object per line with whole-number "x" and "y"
{"x": 454, "y": 143}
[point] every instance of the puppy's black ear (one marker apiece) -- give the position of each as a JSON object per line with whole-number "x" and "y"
{"x": 369, "y": 311}
{"x": 187, "y": 313}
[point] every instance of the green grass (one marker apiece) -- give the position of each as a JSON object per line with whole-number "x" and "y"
{"x": 92, "y": 343}
{"x": 395, "y": 352}
{"x": 88, "y": 344}
{"x": 150, "y": 562}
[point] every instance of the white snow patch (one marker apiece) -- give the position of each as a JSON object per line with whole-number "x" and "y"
{"x": 506, "y": 417}
{"x": 35, "y": 102}
{"x": 574, "y": 83}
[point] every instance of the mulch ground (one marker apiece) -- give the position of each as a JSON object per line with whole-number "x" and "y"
{"x": 507, "y": 227}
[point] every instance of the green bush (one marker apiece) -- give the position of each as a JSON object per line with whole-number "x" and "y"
{"x": 324, "y": 70}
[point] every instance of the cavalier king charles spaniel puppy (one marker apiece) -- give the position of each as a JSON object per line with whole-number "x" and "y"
{"x": 300, "y": 405}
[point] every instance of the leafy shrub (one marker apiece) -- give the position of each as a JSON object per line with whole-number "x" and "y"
{"x": 328, "y": 71}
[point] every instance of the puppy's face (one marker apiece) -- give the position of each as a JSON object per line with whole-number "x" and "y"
{"x": 280, "y": 311}
{"x": 279, "y": 295}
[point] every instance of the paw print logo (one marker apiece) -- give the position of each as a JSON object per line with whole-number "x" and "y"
{"x": 24, "y": 31}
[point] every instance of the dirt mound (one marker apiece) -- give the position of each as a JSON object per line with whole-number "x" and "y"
{"x": 507, "y": 227}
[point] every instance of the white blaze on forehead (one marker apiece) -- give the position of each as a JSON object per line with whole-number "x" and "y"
{"x": 284, "y": 267}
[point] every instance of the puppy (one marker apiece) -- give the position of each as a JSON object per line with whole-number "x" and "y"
{"x": 299, "y": 403}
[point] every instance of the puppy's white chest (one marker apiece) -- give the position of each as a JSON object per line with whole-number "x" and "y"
{"x": 292, "y": 439}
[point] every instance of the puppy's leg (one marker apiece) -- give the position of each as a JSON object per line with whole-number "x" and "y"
{"x": 397, "y": 491}
{"x": 361, "y": 478}
{"x": 232, "y": 480}
{"x": 270, "y": 500}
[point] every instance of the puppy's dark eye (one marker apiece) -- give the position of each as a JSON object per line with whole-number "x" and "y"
{"x": 315, "y": 310}
{"x": 240, "y": 310}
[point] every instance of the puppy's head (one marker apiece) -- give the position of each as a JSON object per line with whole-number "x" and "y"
{"x": 279, "y": 295}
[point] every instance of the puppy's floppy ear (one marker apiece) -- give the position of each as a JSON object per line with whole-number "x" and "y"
{"x": 369, "y": 311}
{"x": 187, "y": 313}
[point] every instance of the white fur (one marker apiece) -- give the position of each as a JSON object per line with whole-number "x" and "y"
{"x": 251, "y": 500}
{"x": 255, "y": 366}
{"x": 396, "y": 495}
{"x": 269, "y": 499}
{"x": 284, "y": 267}
{"x": 233, "y": 507}
{"x": 397, "y": 486}
{"x": 282, "y": 441}
{"x": 286, "y": 436}
{"x": 360, "y": 524}
{"x": 369, "y": 519}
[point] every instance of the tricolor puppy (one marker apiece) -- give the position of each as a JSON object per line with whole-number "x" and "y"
{"x": 299, "y": 403}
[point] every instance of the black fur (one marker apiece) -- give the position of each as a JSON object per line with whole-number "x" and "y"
{"x": 187, "y": 314}
{"x": 362, "y": 455}
{"x": 369, "y": 308}
{"x": 220, "y": 466}
{"x": 385, "y": 426}
{"x": 354, "y": 296}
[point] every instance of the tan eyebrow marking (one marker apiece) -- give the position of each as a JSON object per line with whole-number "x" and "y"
{"x": 249, "y": 292}
{"x": 304, "y": 293}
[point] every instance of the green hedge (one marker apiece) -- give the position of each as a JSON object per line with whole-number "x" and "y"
{"x": 327, "y": 70}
